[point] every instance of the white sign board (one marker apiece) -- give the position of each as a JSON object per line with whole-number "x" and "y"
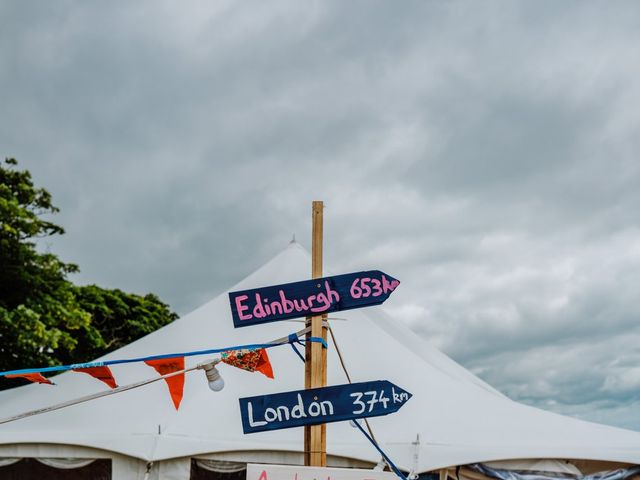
{"x": 293, "y": 472}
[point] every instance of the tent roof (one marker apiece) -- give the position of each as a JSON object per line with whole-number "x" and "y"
{"x": 460, "y": 419}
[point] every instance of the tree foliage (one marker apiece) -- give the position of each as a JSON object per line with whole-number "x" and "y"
{"x": 44, "y": 318}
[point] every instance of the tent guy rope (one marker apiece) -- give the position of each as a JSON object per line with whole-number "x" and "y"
{"x": 370, "y": 436}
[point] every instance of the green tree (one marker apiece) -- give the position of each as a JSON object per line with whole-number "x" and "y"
{"x": 117, "y": 319}
{"x": 44, "y": 318}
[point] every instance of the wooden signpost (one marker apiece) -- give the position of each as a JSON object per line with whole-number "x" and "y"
{"x": 315, "y": 365}
{"x": 313, "y": 299}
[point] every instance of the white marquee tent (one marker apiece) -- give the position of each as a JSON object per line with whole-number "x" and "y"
{"x": 459, "y": 418}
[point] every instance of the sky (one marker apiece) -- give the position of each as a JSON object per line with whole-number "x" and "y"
{"x": 484, "y": 153}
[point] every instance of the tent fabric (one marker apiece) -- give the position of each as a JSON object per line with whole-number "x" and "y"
{"x": 460, "y": 419}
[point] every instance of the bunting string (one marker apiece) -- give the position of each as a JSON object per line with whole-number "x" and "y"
{"x": 95, "y": 396}
{"x": 172, "y": 374}
{"x": 104, "y": 363}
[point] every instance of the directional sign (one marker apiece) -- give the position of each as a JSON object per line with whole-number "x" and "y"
{"x": 321, "y": 405}
{"x": 310, "y": 297}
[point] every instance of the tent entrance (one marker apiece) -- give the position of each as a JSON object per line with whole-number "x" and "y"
{"x": 55, "y": 468}
{"x": 217, "y": 470}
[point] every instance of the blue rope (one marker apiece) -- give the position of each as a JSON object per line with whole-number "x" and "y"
{"x": 293, "y": 339}
{"x": 62, "y": 368}
{"x": 384, "y": 455}
{"x": 318, "y": 340}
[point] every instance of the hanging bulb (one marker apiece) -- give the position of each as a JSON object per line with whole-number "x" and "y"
{"x": 380, "y": 466}
{"x": 216, "y": 382}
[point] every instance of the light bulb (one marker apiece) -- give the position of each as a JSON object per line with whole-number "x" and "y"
{"x": 216, "y": 382}
{"x": 380, "y": 466}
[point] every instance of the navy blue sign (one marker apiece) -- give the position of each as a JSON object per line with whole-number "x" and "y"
{"x": 310, "y": 297}
{"x": 321, "y": 405}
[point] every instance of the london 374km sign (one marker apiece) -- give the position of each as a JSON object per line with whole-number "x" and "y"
{"x": 321, "y": 405}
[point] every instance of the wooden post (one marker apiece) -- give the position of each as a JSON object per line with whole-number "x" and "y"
{"x": 315, "y": 436}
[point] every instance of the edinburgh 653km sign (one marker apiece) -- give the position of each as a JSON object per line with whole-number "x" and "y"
{"x": 310, "y": 297}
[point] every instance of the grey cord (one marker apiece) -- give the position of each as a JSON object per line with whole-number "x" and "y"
{"x": 344, "y": 368}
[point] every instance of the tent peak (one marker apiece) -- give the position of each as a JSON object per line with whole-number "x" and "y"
{"x": 293, "y": 244}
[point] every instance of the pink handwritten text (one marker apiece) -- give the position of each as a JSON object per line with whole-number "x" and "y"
{"x": 363, "y": 287}
{"x": 321, "y": 302}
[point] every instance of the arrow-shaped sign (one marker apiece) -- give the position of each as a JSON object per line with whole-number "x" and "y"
{"x": 321, "y": 405}
{"x": 310, "y": 297}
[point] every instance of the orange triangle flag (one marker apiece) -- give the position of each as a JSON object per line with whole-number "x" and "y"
{"x": 32, "y": 377}
{"x": 101, "y": 373}
{"x": 251, "y": 360}
{"x": 175, "y": 383}
{"x": 264, "y": 365}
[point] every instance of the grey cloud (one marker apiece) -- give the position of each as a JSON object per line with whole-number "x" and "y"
{"x": 485, "y": 154}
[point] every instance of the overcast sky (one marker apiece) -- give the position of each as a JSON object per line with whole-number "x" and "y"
{"x": 485, "y": 153}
